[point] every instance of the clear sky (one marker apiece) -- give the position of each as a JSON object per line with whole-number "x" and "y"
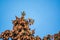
{"x": 46, "y": 14}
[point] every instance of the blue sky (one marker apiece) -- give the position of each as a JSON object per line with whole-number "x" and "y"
{"x": 46, "y": 14}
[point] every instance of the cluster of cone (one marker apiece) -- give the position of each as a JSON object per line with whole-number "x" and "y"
{"x": 52, "y": 37}
{"x": 21, "y": 30}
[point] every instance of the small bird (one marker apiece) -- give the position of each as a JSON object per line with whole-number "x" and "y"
{"x": 31, "y": 21}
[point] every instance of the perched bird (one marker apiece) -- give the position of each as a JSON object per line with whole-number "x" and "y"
{"x": 31, "y": 21}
